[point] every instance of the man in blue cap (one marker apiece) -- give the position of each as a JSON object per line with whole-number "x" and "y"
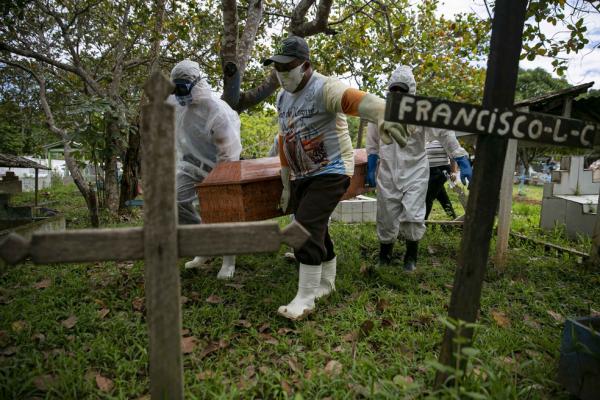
{"x": 317, "y": 159}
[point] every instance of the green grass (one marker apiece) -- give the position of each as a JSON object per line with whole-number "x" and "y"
{"x": 270, "y": 357}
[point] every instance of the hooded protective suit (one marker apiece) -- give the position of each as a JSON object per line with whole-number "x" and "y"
{"x": 403, "y": 173}
{"x": 207, "y": 132}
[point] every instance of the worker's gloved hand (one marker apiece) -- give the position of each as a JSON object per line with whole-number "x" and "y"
{"x": 466, "y": 172}
{"x": 372, "y": 108}
{"x": 372, "y": 160}
{"x": 285, "y": 193}
{"x": 393, "y": 130}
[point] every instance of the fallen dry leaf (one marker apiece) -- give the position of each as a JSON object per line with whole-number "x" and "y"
{"x": 104, "y": 384}
{"x": 188, "y": 344}
{"x": 530, "y": 322}
{"x": 431, "y": 250}
{"x": 387, "y": 323}
{"x": 138, "y": 304}
{"x": 249, "y": 372}
{"x": 333, "y": 368}
{"x": 293, "y": 363}
{"x": 18, "y": 326}
{"x": 204, "y": 375}
{"x": 43, "y": 382}
{"x": 308, "y": 375}
{"x": 183, "y": 299}
{"x": 266, "y": 327}
{"x": 366, "y": 328}
{"x": 287, "y": 388}
{"x": 103, "y": 313}
{"x": 268, "y": 338}
{"x": 448, "y": 286}
{"x": 243, "y": 323}
{"x": 214, "y": 299}
{"x": 501, "y": 319}
{"x": 39, "y": 337}
{"x": 263, "y": 369}
{"x": 212, "y": 347}
{"x": 43, "y": 284}
{"x": 557, "y": 317}
{"x": 285, "y": 331}
{"x": 382, "y": 305}
{"x": 185, "y": 332}
{"x": 9, "y": 351}
{"x": 338, "y": 349}
{"x": 4, "y": 338}
{"x": 350, "y": 337}
{"x": 69, "y": 322}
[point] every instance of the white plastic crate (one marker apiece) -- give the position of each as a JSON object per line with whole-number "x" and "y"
{"x": 358, "y": 209}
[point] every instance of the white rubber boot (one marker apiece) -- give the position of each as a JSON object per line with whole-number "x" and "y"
{"x": 197, "y": 262}
{"x": 227, "y": 268}
{"x": 308, "y": 285}
{"x": 327, "y": 284}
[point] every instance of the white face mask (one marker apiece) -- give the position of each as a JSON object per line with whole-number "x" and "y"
{"x": 290, "y": 80}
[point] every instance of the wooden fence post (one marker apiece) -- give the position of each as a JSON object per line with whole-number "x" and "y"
{"x": 505, "y": 209}
{"x": 501, "y": 78}
{"x": 162, "y": 283}
{"x": 594, "y": 260}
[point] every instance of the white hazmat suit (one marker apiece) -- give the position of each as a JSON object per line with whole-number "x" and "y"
{"x": 403, "y": 173}
{"x": 207, "y": 132}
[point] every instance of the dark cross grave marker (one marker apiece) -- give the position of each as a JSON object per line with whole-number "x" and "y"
{"x": 495, "y": 122}
{"x": 503, "y": 122}
{"x": 160, "y": 242}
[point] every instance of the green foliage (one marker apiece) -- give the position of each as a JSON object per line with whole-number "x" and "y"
{"x": 536, "y": 82}
{"x": 440, "y": 50}
{"x": 561, "y": 13}
{"x": 258, "y": 133}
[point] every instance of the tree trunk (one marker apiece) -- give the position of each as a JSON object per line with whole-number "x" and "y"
{"x": 131, "y": 168}
{"x": 111, "y": 187}
{"x": 86, "y": 190}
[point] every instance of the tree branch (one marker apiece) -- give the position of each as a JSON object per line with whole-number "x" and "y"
{"x": 255, "y": 9}
{"x": 67, "y": 67}
{"x": 258, "y": 94}
{"x": 350, "y": 15}
{"x": 230, "y": 32}
{"x": 318, "y": 25}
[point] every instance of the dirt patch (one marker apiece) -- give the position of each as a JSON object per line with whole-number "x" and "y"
{"x": 518, "y": 199}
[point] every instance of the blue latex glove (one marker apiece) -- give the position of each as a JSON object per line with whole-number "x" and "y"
{"x": 466, "y": 172}
{"x": 372, "y": 160}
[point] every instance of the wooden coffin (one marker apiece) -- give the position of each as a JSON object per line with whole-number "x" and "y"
{"x": 249, "y": 190}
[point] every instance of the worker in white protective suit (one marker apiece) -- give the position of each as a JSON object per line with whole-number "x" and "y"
{"x": 402, "y": 178}
{"x": 207, "y": 132}
{"x": 317, "y": 160}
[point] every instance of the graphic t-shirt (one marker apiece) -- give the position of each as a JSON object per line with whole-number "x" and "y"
{"x": 315, "y": 140}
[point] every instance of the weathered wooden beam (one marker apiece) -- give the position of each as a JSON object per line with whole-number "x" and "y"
{"x": 161, "y": 280}
{"x": 83, "y": 245}
{"x": 86, "y": 245}
{"x": 547, "y": 245}
{"x": 499, "y": 91}
{"x": 505, "y": 208}
{"x": 455, "y": 223}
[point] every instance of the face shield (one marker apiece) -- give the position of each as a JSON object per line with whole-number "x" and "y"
{"x": 183, "y": 90}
